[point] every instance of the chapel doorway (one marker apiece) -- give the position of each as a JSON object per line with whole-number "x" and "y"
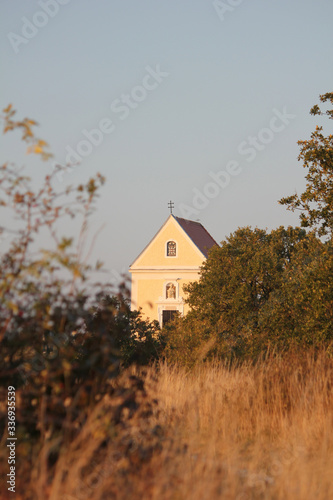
{"x": 168, "y": 315}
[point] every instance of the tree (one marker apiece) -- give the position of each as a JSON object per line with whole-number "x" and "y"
{"x": 260, "y": 289}
{"x": 238, "y": 277}
{"x": 316, "y": 202}
{"x": 301, "y": 309}
{"x": 62, "y": 338}
{"x": 235, "y": 287}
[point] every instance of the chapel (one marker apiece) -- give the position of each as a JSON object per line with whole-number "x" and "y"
{"x": 170, "y": 260}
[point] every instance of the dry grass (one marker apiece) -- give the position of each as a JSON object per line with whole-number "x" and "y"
{"x": 249, "y": 432}
{"x": 252, "y": 432}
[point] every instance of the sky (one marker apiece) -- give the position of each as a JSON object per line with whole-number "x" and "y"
{"x": 199, "y": 102}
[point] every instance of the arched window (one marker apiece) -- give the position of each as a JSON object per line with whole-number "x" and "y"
{"x": 171, "y": 249}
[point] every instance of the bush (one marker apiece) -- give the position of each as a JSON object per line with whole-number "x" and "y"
{"x": 63, "y": 339}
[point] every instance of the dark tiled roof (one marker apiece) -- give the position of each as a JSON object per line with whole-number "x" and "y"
{"x": 198, "y": 234}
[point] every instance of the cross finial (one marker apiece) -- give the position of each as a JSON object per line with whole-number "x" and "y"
{"x": 171, "y": 205}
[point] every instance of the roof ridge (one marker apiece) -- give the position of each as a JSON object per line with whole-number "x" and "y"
{"x": 188, "y": 220}
{"x": 203, "y": 246}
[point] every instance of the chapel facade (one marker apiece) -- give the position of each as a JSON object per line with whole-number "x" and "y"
{"x": 171, "y": 259}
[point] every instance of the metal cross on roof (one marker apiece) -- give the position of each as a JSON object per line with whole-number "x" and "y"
{"x": 171, "y": 205}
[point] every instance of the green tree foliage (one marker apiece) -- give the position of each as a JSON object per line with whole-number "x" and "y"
{"x": 260, "y": 290}
{"x": 302, "y": 308}
{"x": 238, "y": 277}
{"x": 191, "y": 340}
{"x": 316, "y": 203}
{"x": 257, "y": 291}
{"x": 63, "y": 339}
{"x": 138, "y": 340}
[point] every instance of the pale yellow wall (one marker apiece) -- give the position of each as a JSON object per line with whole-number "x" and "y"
{"x": 152, "y": 270}
{"x": 149, "y": 289}
{"x": 154, "y": 255}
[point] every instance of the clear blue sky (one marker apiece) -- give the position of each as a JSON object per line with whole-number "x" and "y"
{"x": 223, "y": 72}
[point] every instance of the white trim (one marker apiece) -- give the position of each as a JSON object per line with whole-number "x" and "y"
{"x": 165, "y": 304}
{"x": 163, "y": 307}
{"x": 134, "y": 294}
{"x": 166, "y": 249}
{"x": 161, "y": 274}
{"x": 173, "y": 282}
{"x": 163, "y": 268}
{"x": 151, "y": 241}
{"x": 162, "y": 301}
{"x": 179, "y": 227}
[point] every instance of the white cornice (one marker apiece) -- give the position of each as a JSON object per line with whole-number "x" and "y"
{"x": 153, "y": 269}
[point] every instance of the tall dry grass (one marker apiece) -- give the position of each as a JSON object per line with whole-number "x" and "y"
{"x": 239, "y": 433}
{"x": 261, "y": 431}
